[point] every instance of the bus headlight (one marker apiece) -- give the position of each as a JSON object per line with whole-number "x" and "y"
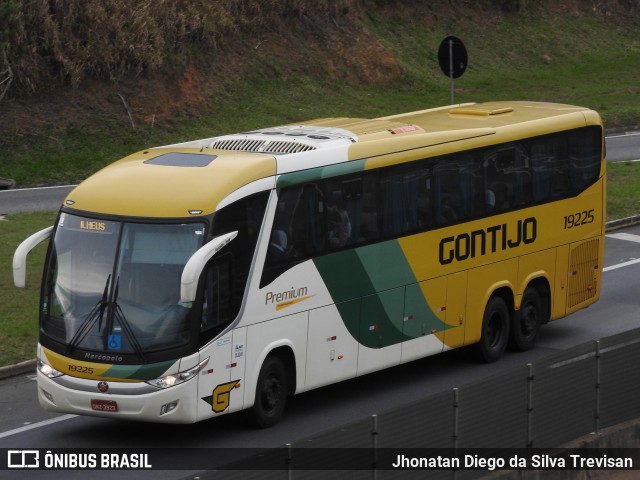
{"x": 178, "y": 378}
{"x": 48, "y": 371}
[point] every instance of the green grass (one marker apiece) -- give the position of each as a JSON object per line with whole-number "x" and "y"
{"x": 623, "y": 185}
{"x": 19, "y": 313}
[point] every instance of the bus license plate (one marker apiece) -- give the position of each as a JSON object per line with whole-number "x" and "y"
{"x": 104, "y": 405}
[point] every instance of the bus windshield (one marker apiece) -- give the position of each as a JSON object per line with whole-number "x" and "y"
{"x": 114, "y": 287}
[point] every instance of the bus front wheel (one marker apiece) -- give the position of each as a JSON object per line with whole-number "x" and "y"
{"x": 271, "y": 393}
{"x": 526, "y": 324}
{"x": 495, "y": 330}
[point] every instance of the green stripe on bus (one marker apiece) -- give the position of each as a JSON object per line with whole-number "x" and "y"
{"x": 386, "y": 265}
{"x": 380, "y": 302}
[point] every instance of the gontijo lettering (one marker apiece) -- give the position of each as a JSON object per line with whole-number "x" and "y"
{"x": 496, "y": 237}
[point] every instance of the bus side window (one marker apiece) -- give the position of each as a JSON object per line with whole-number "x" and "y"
{"x": 458, "y": 188}
{"x": 226, "y": 276}
{"x": 472, "y": 192}
{"x": 352, "y": 210}
{"x": 368, "y": 215}
{"x": 424, "y": 202}
{"x": 399, "y": 188}
{"x": 549, "y": 168}
{"x": 508, "y": 178}
{"x": 306, "y": 224}
{"x": 340, "y": 231}
{"x": 585, "y": 153}
{"x": 297, "y": 232}
{"x": 280, "y": 244}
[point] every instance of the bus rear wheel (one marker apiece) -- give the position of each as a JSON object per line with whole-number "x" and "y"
{"x": 495, "y": 330}
{"x": 271, "y": 393}
{"x": 526, "y": 324}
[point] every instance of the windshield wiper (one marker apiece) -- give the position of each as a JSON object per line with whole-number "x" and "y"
{"x": 115, "y": 313}
{"x": 95, "y": 315}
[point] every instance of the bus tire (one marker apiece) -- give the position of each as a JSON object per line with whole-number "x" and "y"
{"x": 527, "y": 322}
{"x": 495, "y": 330}
{"x": 271, "y": 393}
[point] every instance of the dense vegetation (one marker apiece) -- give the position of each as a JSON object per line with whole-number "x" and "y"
{"x": 84, "y": 82}
{"x": 47, "y": 43}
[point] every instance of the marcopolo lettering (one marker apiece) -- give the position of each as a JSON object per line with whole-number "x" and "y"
{"x": 490, "y": 240}
{"x": 101, "y": 357}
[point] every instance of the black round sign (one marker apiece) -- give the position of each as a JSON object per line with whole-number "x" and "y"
{"x": 454, "y": 48}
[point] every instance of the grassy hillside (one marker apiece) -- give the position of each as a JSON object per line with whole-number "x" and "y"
{"x": 203, "y": 69}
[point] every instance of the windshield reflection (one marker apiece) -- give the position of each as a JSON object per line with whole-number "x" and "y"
{"x": 115, "y": 287}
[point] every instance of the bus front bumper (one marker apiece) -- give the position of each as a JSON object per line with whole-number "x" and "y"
{"x": 118, "y": 400}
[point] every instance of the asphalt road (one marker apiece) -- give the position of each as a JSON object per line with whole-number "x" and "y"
{"x": 33, "y": 199}
{"x": 24, "y": 425}
{"x": 621, "y": 147}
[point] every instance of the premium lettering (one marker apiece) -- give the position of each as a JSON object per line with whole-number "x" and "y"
{"x": 490, "y": 240}
{"x": 293, "y": 293}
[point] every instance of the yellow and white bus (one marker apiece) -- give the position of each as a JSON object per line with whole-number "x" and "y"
{"x": 196, "y": 279}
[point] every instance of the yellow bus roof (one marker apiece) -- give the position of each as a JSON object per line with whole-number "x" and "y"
{"x": 195, "y": 176}
{"x": 457, "y": 123}
{"x": 145, "y": 185}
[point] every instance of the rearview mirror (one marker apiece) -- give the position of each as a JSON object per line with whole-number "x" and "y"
{"x": 20, "y": 255}
{"x": 195, "y": 265}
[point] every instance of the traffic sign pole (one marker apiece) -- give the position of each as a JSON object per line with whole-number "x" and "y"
{"x": 452, "y": 57}
{"x": 451, "y": 69}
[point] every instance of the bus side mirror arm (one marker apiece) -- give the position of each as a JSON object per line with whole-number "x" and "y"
{"x": 20, "y": 255}
{"x": 195, "y": 265}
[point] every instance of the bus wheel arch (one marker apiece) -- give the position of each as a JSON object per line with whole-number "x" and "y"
{"x": 496, "y": 323}
{"x": 276, "y": 381}
{"x": 534, "y": 311}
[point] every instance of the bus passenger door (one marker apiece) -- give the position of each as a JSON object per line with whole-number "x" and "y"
{"x": 332, "y": 349}
{"x": 424, "y": 318}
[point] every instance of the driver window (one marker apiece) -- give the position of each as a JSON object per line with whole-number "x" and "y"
{"x": 226, "y": 276}
{"x": 217, "y": 304}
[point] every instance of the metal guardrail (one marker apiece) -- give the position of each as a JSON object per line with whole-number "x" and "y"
{"x": 541, "y": 406}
